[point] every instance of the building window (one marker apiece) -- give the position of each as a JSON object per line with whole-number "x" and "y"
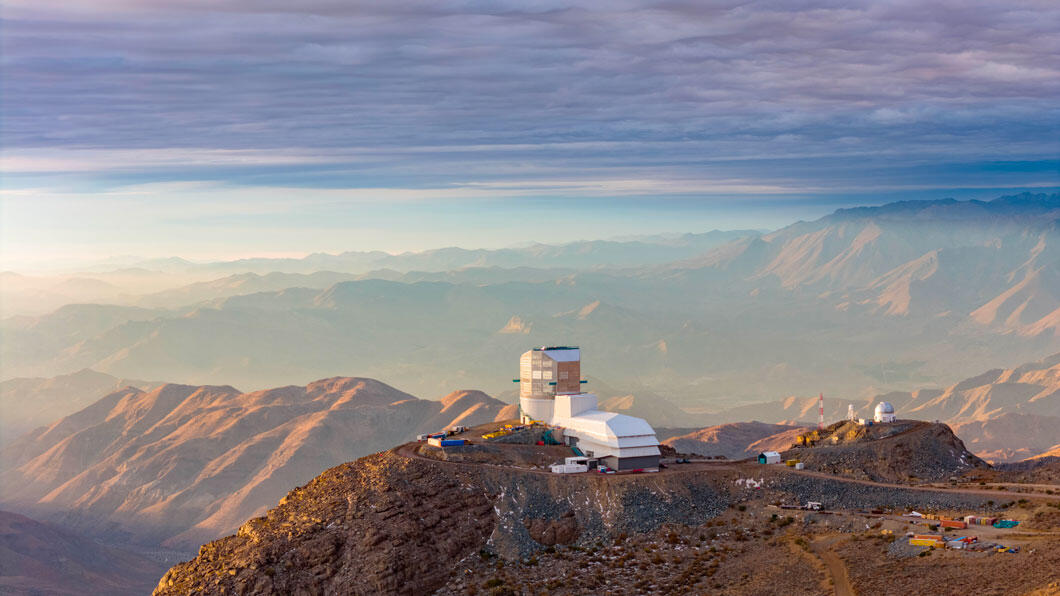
{"x": 563, "y": 375}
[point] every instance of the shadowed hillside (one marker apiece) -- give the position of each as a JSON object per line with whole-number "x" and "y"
{"x": 41, "y": 559}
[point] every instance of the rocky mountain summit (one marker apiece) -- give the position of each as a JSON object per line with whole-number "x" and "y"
{"x": 391, "y": 524}
{"x": 399, "y": 522}
{"x": 902, "y": 451}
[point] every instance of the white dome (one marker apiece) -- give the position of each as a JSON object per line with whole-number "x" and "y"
{"x": 884, "y": 407}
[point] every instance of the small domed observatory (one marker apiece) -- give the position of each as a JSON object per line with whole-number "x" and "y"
{"x": 550, "y": 392}
{"x": 884, "y": 412}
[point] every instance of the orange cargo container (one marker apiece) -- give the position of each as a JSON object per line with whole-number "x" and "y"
{"x": 952, "y": 523}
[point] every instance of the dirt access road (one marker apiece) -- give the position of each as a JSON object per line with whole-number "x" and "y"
{"x": 409, "y": 450}
{"x": 962, "y": 491}
{"x": 822, "y": 547}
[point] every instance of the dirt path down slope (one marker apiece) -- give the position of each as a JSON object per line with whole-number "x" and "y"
{"x": 822, "y": 547}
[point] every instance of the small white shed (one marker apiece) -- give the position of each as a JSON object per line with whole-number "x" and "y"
{"x": 769, "y": 457}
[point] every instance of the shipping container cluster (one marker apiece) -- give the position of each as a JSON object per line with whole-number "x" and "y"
{"x": 441, "y": 439}
{"x": 962, "y": 542}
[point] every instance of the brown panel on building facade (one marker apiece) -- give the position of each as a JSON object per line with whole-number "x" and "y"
{"x": 569, "y": 375}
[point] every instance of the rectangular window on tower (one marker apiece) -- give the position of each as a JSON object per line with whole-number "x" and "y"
{"x": 563, "y": 375}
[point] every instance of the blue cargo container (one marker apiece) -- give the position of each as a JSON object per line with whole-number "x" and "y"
{"x": 452, "y": 442}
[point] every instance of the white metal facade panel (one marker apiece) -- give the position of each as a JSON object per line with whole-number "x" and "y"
{"x": 568, "y": 406}
{"x": 538, "y": 409}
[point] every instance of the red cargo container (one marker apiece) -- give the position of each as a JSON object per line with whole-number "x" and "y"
{"x": 952, "y": 523}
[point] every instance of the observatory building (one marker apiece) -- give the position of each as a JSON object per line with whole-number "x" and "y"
{"x": 550, "y": 392}
{"x": 884, "y": 412}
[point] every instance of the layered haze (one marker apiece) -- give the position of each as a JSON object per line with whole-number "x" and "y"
{"x": 855, "y": 303}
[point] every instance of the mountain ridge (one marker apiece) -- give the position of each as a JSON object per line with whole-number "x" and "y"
{"x": 181, "y": 463}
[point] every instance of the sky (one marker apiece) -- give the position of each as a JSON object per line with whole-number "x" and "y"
{"x": 224, "y": 129}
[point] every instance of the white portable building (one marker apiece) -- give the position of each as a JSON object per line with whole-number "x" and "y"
{"x": 769, "y": 457}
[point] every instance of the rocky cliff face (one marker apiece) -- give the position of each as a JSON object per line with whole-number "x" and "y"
{"x": 398, "y": 523}
{"x": 392, "y": 524}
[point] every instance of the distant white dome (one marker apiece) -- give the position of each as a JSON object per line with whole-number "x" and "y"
{"x": 884, "y": 412}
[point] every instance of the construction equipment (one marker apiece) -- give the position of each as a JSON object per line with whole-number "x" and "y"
{"x": 548, "y": 439}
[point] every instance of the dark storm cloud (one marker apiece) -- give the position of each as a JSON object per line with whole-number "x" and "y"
{"x": 793, "y": 94}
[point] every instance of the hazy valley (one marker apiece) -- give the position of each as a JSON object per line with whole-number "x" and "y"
{"x": 854, "y": 304}
{"x": 948, "y": 310}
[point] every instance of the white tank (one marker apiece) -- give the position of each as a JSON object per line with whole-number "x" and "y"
{"x": 537, "y": 409}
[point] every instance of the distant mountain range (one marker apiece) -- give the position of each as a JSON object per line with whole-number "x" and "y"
{"x": 28, "y": 403}
{"x": 181, "y": 464}
{"x": 1001, "y": 415}
{"x": 736, "y": 440}
{"x": 854, "y": 304}
{"x": 580, "y": 254}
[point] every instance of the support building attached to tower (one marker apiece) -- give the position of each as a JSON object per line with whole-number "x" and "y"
{"x": 550, "y": 392}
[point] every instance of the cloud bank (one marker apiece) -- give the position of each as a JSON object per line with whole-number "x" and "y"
{"x": 558, "y": 99}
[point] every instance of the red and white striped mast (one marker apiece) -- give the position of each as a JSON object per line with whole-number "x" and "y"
{"x": 820, "y": 410}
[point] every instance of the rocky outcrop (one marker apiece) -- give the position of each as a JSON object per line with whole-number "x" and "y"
{"x": 392, "y": 524}
{"x": 906, "y": 450}
{"x": 551, "y": 532}
{"x": 396, "y": 523}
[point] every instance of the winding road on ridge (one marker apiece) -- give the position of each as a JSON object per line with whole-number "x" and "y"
{"x": 408, "y": 450}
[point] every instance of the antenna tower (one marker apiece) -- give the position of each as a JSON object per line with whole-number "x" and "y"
{"x": 820, "y": 410}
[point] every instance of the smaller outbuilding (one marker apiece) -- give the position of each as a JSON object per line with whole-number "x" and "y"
{"x": 769, "y": 457}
